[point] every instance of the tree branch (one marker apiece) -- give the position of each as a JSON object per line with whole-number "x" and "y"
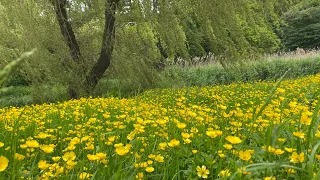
{"x": 66, "y": 28}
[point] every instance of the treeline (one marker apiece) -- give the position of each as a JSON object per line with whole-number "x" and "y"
{"x": 73, "y": 37}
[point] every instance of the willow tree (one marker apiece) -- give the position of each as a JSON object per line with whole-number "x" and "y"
{"x": 26, "y": 25}
{"x": 153, "y": 21}
{"x": 302, "y": 26}
{"x": 232, "y": 29}
{"x": 81, "y": 39}
{"x": 103, "y": 62}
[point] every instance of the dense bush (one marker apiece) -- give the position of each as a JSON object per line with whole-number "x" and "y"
{"x": 302, "y": 26}
{"x": 17, "y": 80}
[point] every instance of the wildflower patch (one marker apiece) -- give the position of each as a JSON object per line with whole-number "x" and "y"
{"x": 192, "y": 133}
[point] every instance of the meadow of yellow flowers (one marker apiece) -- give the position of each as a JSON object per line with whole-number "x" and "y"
{"x": 260, "y": 130}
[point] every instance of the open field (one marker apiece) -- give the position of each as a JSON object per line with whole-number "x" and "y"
{"x": 260, "y": 130}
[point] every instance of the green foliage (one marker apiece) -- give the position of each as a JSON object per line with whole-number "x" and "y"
{"x": 13, "y": 96}
{"x": 48, "y": 93}
{"x": 8, "y": 69}
{"x": 302, "y": 26}
{"x": 147, "y": 32}
{"x": 133, "y": 60}
{"x": 243, "y": 72}
{"x": 17, "y": 80}
{"x": 195, "y": 36}
{"x": 18, "y": 35}
{"x": 16, "y": 96}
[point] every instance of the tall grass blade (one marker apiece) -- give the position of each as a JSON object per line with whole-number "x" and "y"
{"x": 8, "y": 69}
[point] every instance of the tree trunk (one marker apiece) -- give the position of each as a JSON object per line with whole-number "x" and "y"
{"x": 69, "y": 37}
{"x": 104, "y": 59}
{"x": 66, "y": 28}
{"x": 103, "y": 62}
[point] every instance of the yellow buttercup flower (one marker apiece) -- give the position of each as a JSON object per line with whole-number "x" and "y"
{"x": 299, "y": 134}
{"x": 174, "y": 143}
{"x": 245, "y": 155}
{"x": 71, "y": 147}
{"x": 84, "y": 175}
{"x": 233, "y": 139}
{"x": 290, "y": 171}
{"x": 203, "y": 172}
{"x": 278, "y": 151}
{"x": 42, "y": 135}
{"x": 163, "y": 145}
{"x": 123, "y": 150}
{"x": 213, "y": 133}
{"x": 19, "y": 157}
{"x": 69, "y": 156}
{"x": 185, "y": 135}
{"x": 224, "y": 173}
{"x": 75, "y": 141}
{"x": 187, "y": 141}
{"x": 106, "y": 115}
{"x": 139, "y": 176}
{"x": 151, "y": 156}
{"x": 101, "y": 156}
{"x": 159, "y": 158}
{"x": 181, "y": 125}
{"x": 118, "y": 145}
{"x": 221, "y": 155}
{"x": 3, "y": 163}
{"x": 32, "y": 144}
{"x": 131, "y": 135}
{"x": 223, "y": 107}
{"x": 42, "y": 164}
{"x": 47, "y": 148}
{"x": 280, "y": 90}
{"x": 149, "y": 169}
{"x": 290, "y": 150}
{"x": 296, "y": 158}
{"x": 281, "y": 139}
{"x": 70, "y": 164}
{"x": 194, "y": 151}
{"x": 305, "y": 119}
{"x": 227, "y": 146}
{"x": 111, "y": 138}
{"x": 56, "y": 159}
{"x": 269, "y": 178}
{"x": 92, "y": 157}
{"x": 1, "y": 144}
{"x": 150, "y": 162}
